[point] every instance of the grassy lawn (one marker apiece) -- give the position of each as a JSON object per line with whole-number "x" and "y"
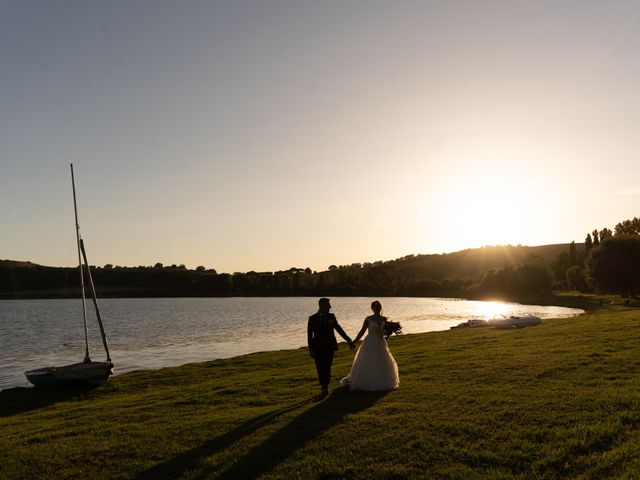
{"x": 561, "y": 400}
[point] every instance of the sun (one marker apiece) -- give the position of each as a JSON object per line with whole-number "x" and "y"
{"x": 490, "y": 208}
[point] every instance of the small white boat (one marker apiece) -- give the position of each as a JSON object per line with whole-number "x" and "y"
{"x": 515, "y": 322}
{"x": 87, "y": 372}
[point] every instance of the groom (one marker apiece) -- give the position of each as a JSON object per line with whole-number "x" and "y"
{"x": 322, "y": 342}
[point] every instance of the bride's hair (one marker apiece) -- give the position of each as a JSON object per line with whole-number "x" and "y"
{"x": 376, "y": 306}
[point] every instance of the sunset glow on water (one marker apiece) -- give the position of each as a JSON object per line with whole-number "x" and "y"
{"x": 154, "y": 333}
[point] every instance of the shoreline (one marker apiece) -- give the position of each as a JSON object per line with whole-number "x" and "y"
{"x": 551, "y": 299}
{"x": 173, "y": 353}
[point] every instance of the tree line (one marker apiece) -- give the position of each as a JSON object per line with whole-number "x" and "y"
{"x": 504, "y": 271}
{"x": 607, "y": 261}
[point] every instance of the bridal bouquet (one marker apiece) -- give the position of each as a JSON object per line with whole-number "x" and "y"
{"x": 392, "y": 327}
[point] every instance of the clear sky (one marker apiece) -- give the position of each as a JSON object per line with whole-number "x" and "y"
{"x": 265, "y": 135}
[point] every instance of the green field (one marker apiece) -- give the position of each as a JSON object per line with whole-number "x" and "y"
{"x": 561, "y": 400}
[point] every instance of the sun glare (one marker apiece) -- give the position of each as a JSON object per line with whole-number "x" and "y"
{"x": 491, "y": 208}
{"x": 489, "y": 310}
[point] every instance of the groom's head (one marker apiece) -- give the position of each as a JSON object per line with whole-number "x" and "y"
{"x": 324, "y": 305}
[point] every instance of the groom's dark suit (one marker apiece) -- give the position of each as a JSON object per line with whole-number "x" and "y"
{"x": 322, "y": 343}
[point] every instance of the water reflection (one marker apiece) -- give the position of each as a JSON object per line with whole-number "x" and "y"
{"x": 153, "y": 333}
{"x": 488, "y": 310}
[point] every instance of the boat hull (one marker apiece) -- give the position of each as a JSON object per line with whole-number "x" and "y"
{"x": 74, "y": 375}
{"x": 515, "y": 322}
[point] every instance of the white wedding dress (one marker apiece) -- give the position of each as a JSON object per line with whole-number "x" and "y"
{"x": 374, "y": 369}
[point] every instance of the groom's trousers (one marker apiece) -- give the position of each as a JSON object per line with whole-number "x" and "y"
{"x": 324, "y": 359}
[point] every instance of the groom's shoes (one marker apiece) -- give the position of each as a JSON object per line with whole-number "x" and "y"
{"x": 322, "y": 395}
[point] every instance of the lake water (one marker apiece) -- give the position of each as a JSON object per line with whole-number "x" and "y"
{"x": 160, "y": 332}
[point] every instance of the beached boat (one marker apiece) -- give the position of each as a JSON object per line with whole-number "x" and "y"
{"x": 87, "y": 372}
{"x": 473, "y": 323}
{"x": 515, "y": 322}
{"x": 76, "y": 374}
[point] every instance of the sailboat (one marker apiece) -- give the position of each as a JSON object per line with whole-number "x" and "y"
{"x": 87, "y": 372}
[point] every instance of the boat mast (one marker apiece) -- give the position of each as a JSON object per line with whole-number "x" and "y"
{"x": 95, "y": 300}
{"x": 87, "y": 359}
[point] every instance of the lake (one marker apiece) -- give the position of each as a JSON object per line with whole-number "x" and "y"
{"x": 160, "y": 332}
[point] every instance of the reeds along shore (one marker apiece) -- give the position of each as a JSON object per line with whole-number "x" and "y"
{"x": 558, "y": 400}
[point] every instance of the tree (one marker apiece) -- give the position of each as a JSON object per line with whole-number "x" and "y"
{"x": 576, "y": 278}
{"x": 560, "y": 266}
{"x": 605, "y": 233}
{"x": 615, "y": 265}
{"x": 534, "y": 278}
{"x": 596, "y": 238}
{"x": 158, "y": 265}
{"x": 628, "y": 227}
{"x": 573, "y": 254}
{"x": 108, "y": 266}
{"x": 525, "y": 280}
{"x": 200, "y": 268}
{"x": 588, "y": 243}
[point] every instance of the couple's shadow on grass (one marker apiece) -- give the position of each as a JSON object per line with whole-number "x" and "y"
{"x": 267, "y": 455}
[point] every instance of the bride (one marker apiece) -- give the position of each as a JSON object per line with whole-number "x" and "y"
{"x": 374, "y": 368}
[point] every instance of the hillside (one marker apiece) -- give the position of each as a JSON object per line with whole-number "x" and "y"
{"x": 450, "y": 274}
{"x": 16, "y": 264}
{"x": 477, "y": 260}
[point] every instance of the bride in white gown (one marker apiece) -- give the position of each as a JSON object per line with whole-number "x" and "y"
{"x": 374, "y": 368}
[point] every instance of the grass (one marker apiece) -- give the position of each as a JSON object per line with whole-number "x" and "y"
{"x": 561, "y": 400}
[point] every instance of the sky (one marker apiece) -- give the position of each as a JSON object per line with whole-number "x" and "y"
{"x": 271, "y": 134}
